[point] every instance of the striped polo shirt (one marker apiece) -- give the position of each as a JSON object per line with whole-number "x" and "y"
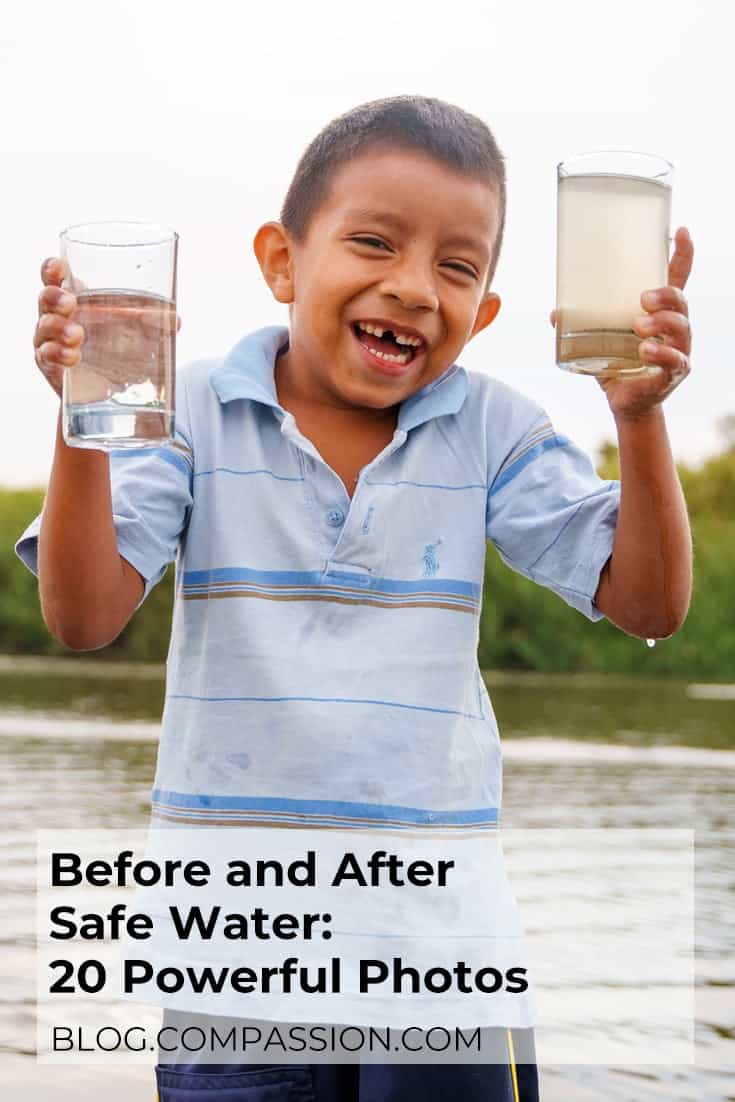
{"x": 323, "y": 666}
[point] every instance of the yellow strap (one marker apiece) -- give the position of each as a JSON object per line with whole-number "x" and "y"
{"x": 513, "y": 1073}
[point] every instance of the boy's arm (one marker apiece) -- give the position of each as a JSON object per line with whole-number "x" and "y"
{"x": 102, "y": 541}
{"x": 88, "y": 592}
{"x": 645, "y": 587}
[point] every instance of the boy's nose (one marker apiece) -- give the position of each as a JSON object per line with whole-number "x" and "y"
{"x": 413, "y": 285}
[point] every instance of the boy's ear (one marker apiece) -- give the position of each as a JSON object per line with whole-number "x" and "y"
{"x": 486, "y": 313}
{"x": 273, "y": 251}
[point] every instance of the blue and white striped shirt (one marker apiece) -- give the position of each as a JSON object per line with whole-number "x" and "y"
{"x": 323, "y": 660}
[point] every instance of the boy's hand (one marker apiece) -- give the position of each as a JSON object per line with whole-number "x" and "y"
{"x": 666, "y": 317}
{"x": 58, "y": 338}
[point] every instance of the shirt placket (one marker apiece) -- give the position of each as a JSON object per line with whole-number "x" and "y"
{"x": 343, "y": 524}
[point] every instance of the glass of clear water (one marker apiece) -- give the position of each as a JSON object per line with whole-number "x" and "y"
{"x": 121, "y": 394}
{"x": 612, "y": 244}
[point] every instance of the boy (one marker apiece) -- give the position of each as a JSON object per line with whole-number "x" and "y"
{"x": 343, "y": 475}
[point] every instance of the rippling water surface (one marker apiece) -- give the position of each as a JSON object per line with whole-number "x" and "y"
{"x": 78, "y": 741}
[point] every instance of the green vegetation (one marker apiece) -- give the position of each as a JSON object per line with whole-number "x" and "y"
{"x": 523, "y": 626}
{"x": 22, "y": 630}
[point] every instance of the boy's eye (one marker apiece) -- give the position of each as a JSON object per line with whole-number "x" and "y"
{"x": 370, "y": 241}
{"x": 463, "y": 268}
{"x": 381, "y": 244}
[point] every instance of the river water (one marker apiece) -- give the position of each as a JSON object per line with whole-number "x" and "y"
{"x": 78, "y": 741}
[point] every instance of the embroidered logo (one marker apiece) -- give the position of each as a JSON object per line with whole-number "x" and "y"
{"x": 431, "y": 563}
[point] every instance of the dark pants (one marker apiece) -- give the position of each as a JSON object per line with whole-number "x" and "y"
{"x": 348, "y": 1082}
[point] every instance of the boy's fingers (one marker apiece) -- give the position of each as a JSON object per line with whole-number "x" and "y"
{"x": 665, "y": 298}
{"x": 51, "y": 355}
{"x": 665, "y": 323}
{"x": 680, "y": 264}
{"x": 54, "y": 271}
{"x": 672, "y": 361}
{"x": 56, "y": 327}
{"x": 54, "y": 300}
{"x": 552, "y": 318}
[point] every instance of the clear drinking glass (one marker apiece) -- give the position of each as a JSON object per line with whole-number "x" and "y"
{"x": 121, "y": 394}
{"x": 612, "y": 244}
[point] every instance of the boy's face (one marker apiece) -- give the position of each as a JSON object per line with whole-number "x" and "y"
{"x": 419, "y": 269}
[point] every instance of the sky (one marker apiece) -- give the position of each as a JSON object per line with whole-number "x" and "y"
{"x": 195, "y": 116}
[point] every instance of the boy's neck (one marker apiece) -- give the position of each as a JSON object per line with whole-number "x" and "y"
{"x": 295, "y": 395}
{"x": 348, "y": 438}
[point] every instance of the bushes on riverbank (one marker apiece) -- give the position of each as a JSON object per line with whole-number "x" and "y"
{"x": 522, "y": 626}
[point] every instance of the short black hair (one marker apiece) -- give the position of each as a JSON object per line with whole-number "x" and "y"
{"x": 443, "y": 131}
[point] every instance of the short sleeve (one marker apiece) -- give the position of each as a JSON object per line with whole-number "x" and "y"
{"x": 151, "y": 500}
{"x": 551, "y": 517}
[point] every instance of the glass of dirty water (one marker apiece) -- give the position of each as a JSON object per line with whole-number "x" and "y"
{"x": 121, "y": 394}
{"x": 612, "y": 244}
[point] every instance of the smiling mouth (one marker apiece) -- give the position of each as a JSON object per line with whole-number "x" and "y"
{"x": 386, "y": 348}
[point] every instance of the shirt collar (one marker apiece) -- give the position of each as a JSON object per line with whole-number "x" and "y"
{"x": 247, "y": 371}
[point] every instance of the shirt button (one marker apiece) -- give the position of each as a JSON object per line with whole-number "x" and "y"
{"x": 335, "y": 517}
